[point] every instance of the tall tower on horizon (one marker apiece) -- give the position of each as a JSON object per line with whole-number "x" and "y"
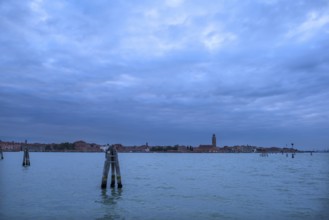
{"x": 214, "y": 140}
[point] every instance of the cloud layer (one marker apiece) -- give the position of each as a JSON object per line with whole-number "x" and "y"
{"x": 165, "y": 72}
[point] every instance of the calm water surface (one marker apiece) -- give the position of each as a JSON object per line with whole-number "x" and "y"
{"x": 166, "y": 186}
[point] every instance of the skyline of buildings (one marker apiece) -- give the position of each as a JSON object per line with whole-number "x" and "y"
{"x": 82, "y": 146}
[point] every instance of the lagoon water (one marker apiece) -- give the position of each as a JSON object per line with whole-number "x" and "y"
{"x": 166, "y": 186}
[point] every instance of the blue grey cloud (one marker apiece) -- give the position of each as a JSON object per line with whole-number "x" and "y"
{"x": 166, "y": 72}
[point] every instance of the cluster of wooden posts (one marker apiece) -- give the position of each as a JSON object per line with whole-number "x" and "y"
{"x": 263, "y": 154}
{"x": 26, "y": 158}
{"x": 292, "y": 155}
{"x": 111, "y": 161}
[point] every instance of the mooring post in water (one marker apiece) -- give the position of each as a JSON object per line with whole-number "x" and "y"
{"x": 106, "y": 169}
{"x": 292, "y": 155}
{"x": 26, "y": 158}
{"x": 112, "y": 161}
{"x": 1, "y": 154}
{"x": 117, "y": 169}
{"x": 112, "y": 158}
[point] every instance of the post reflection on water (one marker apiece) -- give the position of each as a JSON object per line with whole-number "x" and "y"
{"x": 115, "y": 195}
{"x": 109, "y": 201}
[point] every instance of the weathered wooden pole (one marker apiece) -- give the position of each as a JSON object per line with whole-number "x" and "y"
{"x": 112, "y": 161}
{"x": 112, "y": 158}
{"x": 26, "y": 158}
{"x": 117, "y": 169}
{"x": 1, "y": 154}
{"x": 106, "y": 169}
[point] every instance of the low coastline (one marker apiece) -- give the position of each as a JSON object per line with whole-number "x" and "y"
{"x": 81, "y": 146}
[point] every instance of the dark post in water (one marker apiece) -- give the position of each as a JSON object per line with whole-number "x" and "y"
{"x": 105, "y": 169}
{"x": 1, "y": 154}
{"x": 293, "y": 153}
{"x": 112, "y": 161}
{"x": 117, "y": 169}
{"x": 26, "y": 158}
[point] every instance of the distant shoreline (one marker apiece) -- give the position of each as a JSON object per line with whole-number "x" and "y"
{"x": 83, "y": 147}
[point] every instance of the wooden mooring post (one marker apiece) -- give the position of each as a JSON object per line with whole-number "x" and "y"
{"x": 1, "y": 154}
{"x": 111, "y": 160}
{"x": 26, "y": 158}
{"x": 117, "y": 169}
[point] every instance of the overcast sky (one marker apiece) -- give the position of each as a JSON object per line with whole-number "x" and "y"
{"x": 165, "y": 72}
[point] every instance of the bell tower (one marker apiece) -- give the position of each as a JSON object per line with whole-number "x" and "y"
{"x": 214, "y": 140}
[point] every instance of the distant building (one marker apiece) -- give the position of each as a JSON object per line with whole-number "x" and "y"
{"x": 10, "y": 146}
{"x": 208, "y": 148}
{"x": 35, "y": 147}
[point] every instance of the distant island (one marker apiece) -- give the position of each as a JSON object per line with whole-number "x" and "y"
{"x": 82, "y": 146}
